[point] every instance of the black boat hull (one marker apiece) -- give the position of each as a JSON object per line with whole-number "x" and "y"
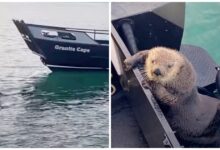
{"x": 54, "y": 56}
{"x": 61, "y": 54}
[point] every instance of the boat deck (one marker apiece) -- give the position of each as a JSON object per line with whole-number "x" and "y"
{"x": 125, "y": 130}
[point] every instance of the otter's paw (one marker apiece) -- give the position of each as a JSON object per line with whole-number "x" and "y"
{"x": 128, "y": 64}
{"x": 145, "y": 84}
{"x": 153, "y": 85}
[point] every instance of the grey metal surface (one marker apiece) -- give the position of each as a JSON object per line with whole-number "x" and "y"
{"x": 124, "y": 9}
{"x": 202, "y": 62}
{"x": 115, "y": 58}
{"x": 125, "y": 130}
{"x": 174, "y": 12}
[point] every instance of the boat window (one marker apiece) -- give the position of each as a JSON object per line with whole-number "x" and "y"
{"x": 102, "y": 37}
{"x": 48, "y": 33}
{"x": 98, "y": 36}
{"x": 67, "y": 35}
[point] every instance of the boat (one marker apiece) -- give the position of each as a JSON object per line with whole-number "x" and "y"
{"x": 62, "y": 48}
{"x": 137, "y": 119}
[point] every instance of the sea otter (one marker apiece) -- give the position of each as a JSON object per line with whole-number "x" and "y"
{"x": 172, "y": 80}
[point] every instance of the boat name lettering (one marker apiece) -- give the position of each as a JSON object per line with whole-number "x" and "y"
{"x": 74, "y": 49}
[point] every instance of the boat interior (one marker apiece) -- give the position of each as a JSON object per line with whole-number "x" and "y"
{"x": 141, "y": 31}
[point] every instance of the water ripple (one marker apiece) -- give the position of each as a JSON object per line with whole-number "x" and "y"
{"x": 40, "y": 109}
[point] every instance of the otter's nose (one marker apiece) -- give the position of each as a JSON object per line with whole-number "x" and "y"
{"x": 157, "y": 72}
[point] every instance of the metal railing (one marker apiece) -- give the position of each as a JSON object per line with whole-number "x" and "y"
{"x": 90, "y": 31}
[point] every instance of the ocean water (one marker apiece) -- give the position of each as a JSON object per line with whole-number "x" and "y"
{"x": 202, "y": 27}
{"x": 39, "y": 108}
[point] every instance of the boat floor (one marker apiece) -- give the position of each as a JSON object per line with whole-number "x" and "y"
{"x": 125, "y": 130}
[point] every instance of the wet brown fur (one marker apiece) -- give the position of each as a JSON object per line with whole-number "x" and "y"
{"x": 190, "y": 113}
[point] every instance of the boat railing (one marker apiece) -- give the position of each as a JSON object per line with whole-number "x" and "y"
{"x": 92, "y": 32}
{"x": 97, "y": 35}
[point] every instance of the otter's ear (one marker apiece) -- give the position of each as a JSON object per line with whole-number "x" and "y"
{"x": 181, "y": 67}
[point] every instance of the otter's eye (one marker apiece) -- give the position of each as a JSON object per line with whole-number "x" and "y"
{"x": 153, "y": 61}
{"x": 170, "y": 65}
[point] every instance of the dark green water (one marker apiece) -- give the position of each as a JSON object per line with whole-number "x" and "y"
{"x": 202, "y": 28}
{"x": 43, "y": 109}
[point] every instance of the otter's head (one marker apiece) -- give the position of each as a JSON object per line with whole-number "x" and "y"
{"x": 163, "y": 64}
